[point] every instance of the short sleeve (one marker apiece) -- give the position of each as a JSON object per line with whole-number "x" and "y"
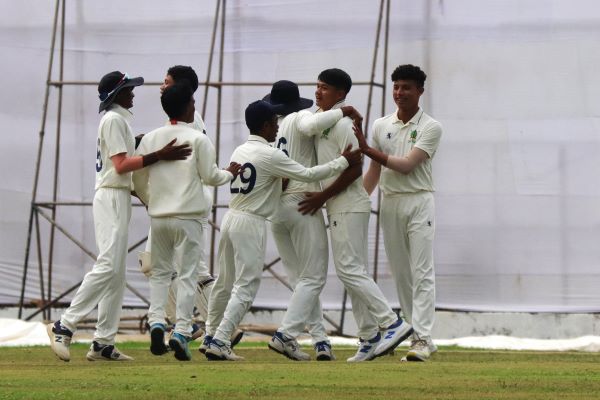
{"x": 430, "y": 138}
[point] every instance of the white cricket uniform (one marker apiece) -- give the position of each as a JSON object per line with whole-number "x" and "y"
{"x": 205, "y": 279}
{"x": 178, "y": 205}
{"x": 408, "y": 215}
{"x": 255, "y": 196}
{"x": 302, "y": 239}
{"x": 348, "y": 214}
{"x": 104, "y": 285}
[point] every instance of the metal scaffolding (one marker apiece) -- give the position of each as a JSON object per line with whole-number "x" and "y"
{"x": 48, "y": 209}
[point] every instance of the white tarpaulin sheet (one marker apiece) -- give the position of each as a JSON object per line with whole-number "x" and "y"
{"x": 514, "y": 83}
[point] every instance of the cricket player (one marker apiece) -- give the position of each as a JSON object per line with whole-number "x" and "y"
{"x": 255, "y": 196}
{"x": 348, "y": 211}
{"x": 404, "y": 144}
{"x": 178, "y": 206}
{"x": 175, "y": 74}
{"x": 104, "y": 285}
{"x": 302, "y": 239}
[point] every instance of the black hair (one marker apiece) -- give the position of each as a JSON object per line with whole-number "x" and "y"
{"x": 409, "y": 72}
{"x": 179, "y": 72}
{"x": 175, "y": 99}
{"x": 337, "y": 78}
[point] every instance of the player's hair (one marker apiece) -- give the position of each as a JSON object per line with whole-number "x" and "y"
{"x": 179, "y": 72}
{"x": 337, "y": 78}
{"x": 175, "y": 99}
{"x": 409, "y": 72}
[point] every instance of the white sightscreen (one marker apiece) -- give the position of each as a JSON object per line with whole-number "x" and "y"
{"x": 514, "y": 83}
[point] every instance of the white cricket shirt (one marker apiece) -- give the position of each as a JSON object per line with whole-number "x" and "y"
{"x": 330, "y": 144}
{"x": 296, "y": 138}
{"x": 394, "y": 137}
{"x": 258, "y": 189}
{"x": 114, "y": 137}
{"x": 176, "y": 188}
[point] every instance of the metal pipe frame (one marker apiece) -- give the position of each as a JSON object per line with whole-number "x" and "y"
{"x": 219, "y": 21}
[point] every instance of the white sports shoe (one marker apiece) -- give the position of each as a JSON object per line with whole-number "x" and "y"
{"x": 60, "y": 340}
{"x": 219, "y": 351}
{"x": 392, "y": 337}
{"x": 105, "y": 352}
{"x": 288, "y": 347}
{"x": 366, "y": 349}
{"x": 418, "y": 351}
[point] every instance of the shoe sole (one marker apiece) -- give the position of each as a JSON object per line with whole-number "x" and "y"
{"x": 51, "y": 336}
{"x": 213, "y": 357}
{"x": 157, "y": 342}
{"x": 324, "y": 358}
{"x": 394, "y": 344}
{"x": 235, "y": 340}
{"x": 283, "y": 353}
{"x": 414, "y": 357}
{"x": 179, "y": 350}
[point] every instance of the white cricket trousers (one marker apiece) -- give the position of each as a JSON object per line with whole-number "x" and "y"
{"x": 408, "y": 223}
{"x": 203, "y": 288}
{"x": 349, "y": 245}
{"x": 303, "y": 247}
{"x": 104, "y": 285}
{"x": 177, "y": 245}
{"x": 241, "y": 259}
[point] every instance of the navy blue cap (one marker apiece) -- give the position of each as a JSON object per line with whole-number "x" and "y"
{"x": 259, "y": 112}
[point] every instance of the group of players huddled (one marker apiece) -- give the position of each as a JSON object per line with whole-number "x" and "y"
{"x": 293, "y": 163}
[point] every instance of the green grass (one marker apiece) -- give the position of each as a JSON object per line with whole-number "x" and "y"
{"x": 35, "y": 373}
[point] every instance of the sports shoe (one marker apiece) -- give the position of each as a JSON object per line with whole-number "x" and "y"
{"x": 432, "y": 347}
{"x": 288, "y": 347}
{"x": 157, "y": 340}
{"x": 179, "y": 344}
{"x": 219, "y": 351}
{"x": 60, "y": 340}
{"x": 323, "y": 350}
{"x": 366, "y": 348}
{"x": 236, "y": 337}
{"x": 418, "y": 351}
{"x": 205, "y": 343}
{"x": 105, "y": 352}
{"x": 393, "y": 336}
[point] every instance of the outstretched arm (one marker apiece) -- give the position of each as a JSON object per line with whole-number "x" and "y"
{"x": 124, "y": 164}
{"x": 404, "y": 165}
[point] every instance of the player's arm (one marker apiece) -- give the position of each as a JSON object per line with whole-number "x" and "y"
{"x": 208, "y": 169}
{"x": 313, "y": 124}
{"x": 313, "y": 201}
{"x": 170, "y": 152}
{"x": 404, "y": 165}
{"x": 285, "y": 167}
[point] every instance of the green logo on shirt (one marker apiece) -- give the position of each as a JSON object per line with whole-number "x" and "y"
{"x": 413, "y": 137}
{"x": 325, "y": 134}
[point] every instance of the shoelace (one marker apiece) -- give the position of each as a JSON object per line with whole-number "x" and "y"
{"x": 419, "y": 343}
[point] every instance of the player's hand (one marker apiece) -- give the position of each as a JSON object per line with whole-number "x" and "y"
{"x": 353, "y": 156}
{"x": 234, "y": 168}
{"x": 360, "y": 136}
{"x": 313, "y": 201}
{"x": 171, "y": 152}
{"x": 353, "y": 113}
{"x": 284, "y": 184}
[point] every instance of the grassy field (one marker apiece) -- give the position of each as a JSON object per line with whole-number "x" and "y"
{"x": 35, "y": 373}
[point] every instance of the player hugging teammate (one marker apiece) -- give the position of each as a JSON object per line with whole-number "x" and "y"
{"x": 293, "y": 163}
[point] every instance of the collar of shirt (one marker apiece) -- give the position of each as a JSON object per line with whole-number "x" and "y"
{"x": 413, "y": 121}
{"x": 125, "y": 113}
{"x": 256, "y": 138}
